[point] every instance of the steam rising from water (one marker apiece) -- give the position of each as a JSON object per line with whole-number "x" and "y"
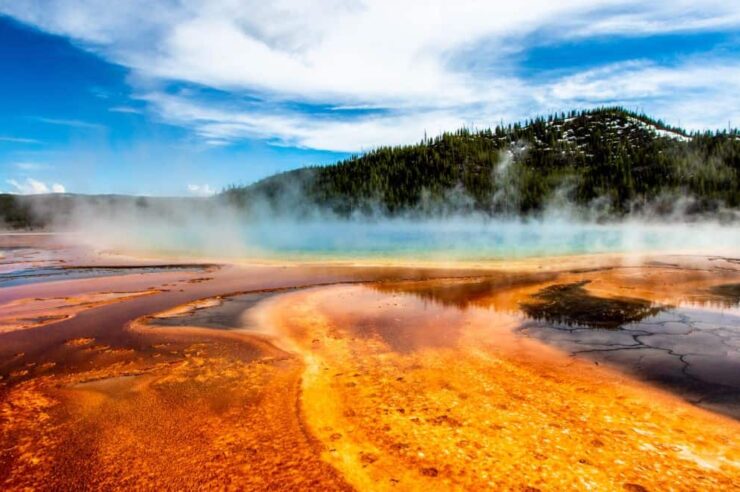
{"x": 221, "y": 231}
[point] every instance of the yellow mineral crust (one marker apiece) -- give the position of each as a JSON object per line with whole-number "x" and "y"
{"x": 407, "y": 395}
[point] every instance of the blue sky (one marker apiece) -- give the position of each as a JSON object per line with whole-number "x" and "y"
{"x": 178, "y": 97}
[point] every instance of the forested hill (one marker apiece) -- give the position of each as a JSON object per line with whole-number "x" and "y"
{"x": 607, "y": 162}
{"x": 609, "y": 158}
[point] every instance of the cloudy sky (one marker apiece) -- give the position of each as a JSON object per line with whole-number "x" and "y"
{"x": 181, "y": 97}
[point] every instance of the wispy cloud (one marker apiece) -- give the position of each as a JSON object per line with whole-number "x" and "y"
{"x": 125, "y": 109}
{"x": 638, "y": 80}
{"x": 30, "y": 166}
{"x": 70, "y": 123}
{"x": 225, "y": 124}
{"x": 427, "y": 65}
{"x": 19, "y": 140}
{"x": 685, "y": 94}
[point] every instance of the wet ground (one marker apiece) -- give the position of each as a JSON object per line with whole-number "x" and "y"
{"x": 600, "y": 373}
{"x": 410, "y": 394}
{"x": 53, "y": 274}
{"x": 220, "y": 313}
{"x": 692, "y": 352}
{"x": 26, "y": 265}
{"x": 683, "y": 335}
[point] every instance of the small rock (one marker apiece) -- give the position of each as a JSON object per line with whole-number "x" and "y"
{"x": 368, "y": 458}
{"x": 633, "y": 487}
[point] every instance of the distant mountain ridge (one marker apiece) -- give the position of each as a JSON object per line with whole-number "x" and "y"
{"x": 607, "y": 162}
{"x": 610, "y": 158}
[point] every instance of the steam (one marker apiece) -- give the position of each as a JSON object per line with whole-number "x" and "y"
{"x": 214, "y": 229}
{"x": 280, "y": 222}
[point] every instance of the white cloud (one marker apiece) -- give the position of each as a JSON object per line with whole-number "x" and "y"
{"x": 429, "y": 65}
{"x": 217, "y": 125}
{"x": 686, "y": 95}
{"x": 642, "y": 80}
{"x": 333, "y": 51}
{"x": 19, "y": 140}
{"x": 125, "y": 109}
{"x": 201, "y": 190}
{"x": 70, "y": 123}
{"x": 698, "y": 94}
{"x": 30, "y": 166}
{"x": 33, "y": 187}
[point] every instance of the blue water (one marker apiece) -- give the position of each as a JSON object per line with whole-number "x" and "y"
{"x": 438, "y": 240}
{"x": 51, "y": 274}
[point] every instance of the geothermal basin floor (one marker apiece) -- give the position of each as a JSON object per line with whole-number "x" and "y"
{"x": 599, "y": 375}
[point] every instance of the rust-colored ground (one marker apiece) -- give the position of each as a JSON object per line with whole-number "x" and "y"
{"x": 372, "y": 379}
{"x": 407, "y": 396}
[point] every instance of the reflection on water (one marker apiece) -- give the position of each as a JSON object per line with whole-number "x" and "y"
{"x": 730, "y": 293}
{"x": 492, "y": 290}
{"x": 401, "y": 322}
{"x": 227, "y": 313}
{"x": 571, "y": 304}
{"x": 692, "y": 350}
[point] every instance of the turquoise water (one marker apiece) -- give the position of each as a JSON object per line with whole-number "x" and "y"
{"x": 440, "y": 239}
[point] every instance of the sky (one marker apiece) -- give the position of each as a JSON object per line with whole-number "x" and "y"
{"x": 186, "y": 97}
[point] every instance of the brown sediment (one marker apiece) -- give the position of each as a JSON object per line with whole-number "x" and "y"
{"x": 343, "y": 385}
{"x": 32, "y": 313}
{"x": 189, "y": 307}
{"x": 210, "y": 415}
{"x": 126, "y": 409}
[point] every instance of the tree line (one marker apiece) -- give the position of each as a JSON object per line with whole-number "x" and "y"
{"x": 609, "y": 156}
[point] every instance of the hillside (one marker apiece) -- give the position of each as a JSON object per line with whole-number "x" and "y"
{"x": 608, "y": 158}
{"x": 606, "y": 162}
